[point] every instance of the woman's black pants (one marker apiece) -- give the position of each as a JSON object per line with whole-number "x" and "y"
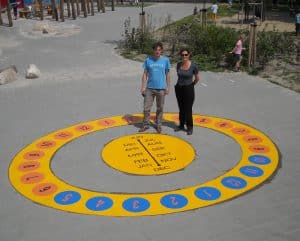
{"x": 185, "y": 98}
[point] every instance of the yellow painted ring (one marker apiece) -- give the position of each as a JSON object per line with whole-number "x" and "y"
{"x": 30, "y": 172}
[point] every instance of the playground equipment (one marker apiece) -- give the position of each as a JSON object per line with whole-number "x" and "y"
{"x": 55, "y": 8}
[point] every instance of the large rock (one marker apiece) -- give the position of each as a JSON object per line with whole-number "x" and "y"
{"x": 32, "y": 72}
{"x": 8, "y": 75}
{"x": 43, "y": 27}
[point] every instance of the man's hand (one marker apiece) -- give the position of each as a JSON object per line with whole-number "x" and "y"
{"x": 167, "y": 91}
{"x": 143, "y": 92}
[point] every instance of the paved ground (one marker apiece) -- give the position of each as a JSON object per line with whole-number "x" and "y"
{"x": 84, "y": 79}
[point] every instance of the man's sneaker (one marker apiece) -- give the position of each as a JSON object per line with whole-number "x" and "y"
{"x": 143, "y": 128}
{"x": 158, "y": 129}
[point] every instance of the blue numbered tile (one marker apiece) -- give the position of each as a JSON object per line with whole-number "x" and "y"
{"x": 207, "y": 193}
{"x": 259, "y": 159}
{"x": 234, "y": 182}
{"x": 136, "y": 204}
{"x": 99, "y": 203}
{"x": 174, "y": 201}
{"x": 67, "y": 197}
{"x": 251, "y": 171}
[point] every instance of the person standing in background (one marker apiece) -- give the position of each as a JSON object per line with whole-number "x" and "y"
{"x": 14, "y": 5}
{"x": 214, "y": 8}
{"x": 237, "y": 51}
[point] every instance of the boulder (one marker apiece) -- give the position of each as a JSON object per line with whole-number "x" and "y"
{"x": 32, "y": 72}
{"x": 8, "y": 75}
{"x": 43, "y": 27}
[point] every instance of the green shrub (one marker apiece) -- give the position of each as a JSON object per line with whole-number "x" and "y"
{"x": 134, "y": 39}
{"x": 273, "y": 43}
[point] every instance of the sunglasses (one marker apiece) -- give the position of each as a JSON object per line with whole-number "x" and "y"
{"x": 184, "y": 54}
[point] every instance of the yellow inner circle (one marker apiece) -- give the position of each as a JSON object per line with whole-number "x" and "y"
{"x": 148, "y": 154}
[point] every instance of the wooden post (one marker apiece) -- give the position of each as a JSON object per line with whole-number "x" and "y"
{"x": 1, "y": 21}
{"x": 98, "y": 5}
{"x": 143, "y": 22}
{"x": 102, "y": 6}
{"x": 68, "y": 8}
{"x": 8, "y": 8}
{"x": 77, "y": 7}
{"x": 92, "y": 7}
{"x": 41, "y": 9}
{"x": 84, "y": 8}
{"x": 112, "y": 5}
{"x": 88, "y": 6}
{"x": 54, "y": 11}
{"x": 73, "y": 9}
{"x": 252, "y": 45}
{"x": 61, "y": 10}
{"x": 204, "y": 17}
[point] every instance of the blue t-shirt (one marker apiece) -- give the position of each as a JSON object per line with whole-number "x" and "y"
{"x": 157, "y": 69}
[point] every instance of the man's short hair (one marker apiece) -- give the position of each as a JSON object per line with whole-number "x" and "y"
{"x": 158, "y": 44}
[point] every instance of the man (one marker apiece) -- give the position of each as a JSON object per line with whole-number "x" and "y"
{"x": 155, "y": 85}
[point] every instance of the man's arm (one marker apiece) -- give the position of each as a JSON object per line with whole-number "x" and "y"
{"x": 168, "y": 78}
{"x": 144, "y": 82}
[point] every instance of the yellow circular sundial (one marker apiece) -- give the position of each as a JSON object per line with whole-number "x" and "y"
{"x": 143, "y": 154}
{"x": 148, "y": 154}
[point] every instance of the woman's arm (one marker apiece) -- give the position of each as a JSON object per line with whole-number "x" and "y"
{"x": 197, "y": 78}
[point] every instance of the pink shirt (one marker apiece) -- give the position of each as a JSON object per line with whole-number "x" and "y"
{"x": 238, "y": 47}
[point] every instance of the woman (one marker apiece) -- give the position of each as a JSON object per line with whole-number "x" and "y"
{"x": 188, "y": 76}
{"x": 237, "y": 51}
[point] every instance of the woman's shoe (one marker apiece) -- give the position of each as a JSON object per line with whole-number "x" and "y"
{"x": 178, "y": 128}
{"x": 189, "y": 132}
